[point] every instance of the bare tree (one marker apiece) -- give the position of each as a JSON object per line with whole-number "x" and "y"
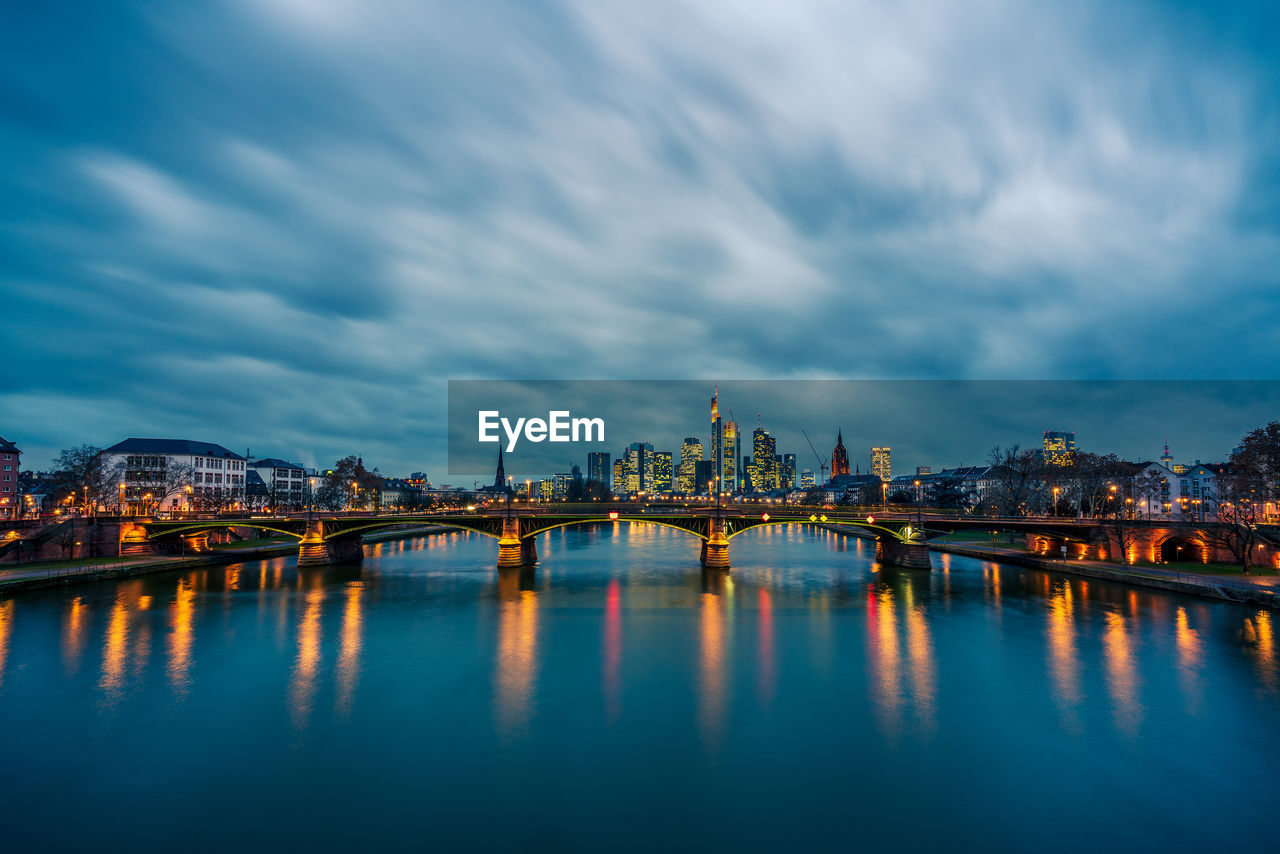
{"x": 86, "y": 472}
{"x": 1243, "y": 488}
{"x": 1018, "y": 476}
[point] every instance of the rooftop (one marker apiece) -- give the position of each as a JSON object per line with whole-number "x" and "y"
{"x": 172, "y": 446}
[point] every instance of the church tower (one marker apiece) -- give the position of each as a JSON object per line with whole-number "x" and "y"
{"x": 839, "y": 457}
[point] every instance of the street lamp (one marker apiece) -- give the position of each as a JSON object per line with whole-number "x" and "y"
{"x": 1055, "y": 500}
{"x": 311, "y": 494}
{"x": 509, "y": 479}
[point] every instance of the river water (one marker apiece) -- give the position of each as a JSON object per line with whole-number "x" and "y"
{"x": 619, "y": 697}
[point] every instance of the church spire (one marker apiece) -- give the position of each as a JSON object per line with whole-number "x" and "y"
{"x": 500, "y": 482}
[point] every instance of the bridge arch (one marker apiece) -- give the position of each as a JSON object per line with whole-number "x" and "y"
{"x": 346, "y": 532}
{"x": 207, "y": 526}
{"x": 1181, "y": 548}
{"x": 630, "y": 520}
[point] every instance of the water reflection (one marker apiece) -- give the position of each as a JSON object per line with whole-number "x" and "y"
{"x": 1063, "y": 662}
{"x": 1122, "y": 675}
{"x": 75, "y": 634}
{"x": 181, "y": 636}
{"x": 718, "y": 587}
{"x": 1260, "y": 633}
{"x": 6, "y": 632}
{"x": 920, "y": 650}
{"x": 612, "y": 678}
{"x": 767, "y": 668}
{"x": 1190, "y": 648}
{"x": 884, "y": 659}
{"x": 114, "y": 649}
{"x": 142, "y": 635}
{"x": 302, "y": 684}
{"x": 349, "y": 649}
{"x": 516, "y": 669}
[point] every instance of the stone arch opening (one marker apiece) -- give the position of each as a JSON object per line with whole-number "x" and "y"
{"x": 1178, "y": 549}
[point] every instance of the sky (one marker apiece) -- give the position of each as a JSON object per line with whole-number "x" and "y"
{"x": 284, "y": 225}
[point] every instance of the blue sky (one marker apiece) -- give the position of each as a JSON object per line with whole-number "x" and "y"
{"x": 283, "y": 224}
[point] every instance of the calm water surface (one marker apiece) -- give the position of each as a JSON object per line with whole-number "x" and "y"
{"x": 620, "y": 697}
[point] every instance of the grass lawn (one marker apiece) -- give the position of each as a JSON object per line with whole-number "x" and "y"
{"x": 1205, "y": 568}
{"x": 260, "y": 541}
{"x": 69, "y": 564}
{"x": 982, "y": 537}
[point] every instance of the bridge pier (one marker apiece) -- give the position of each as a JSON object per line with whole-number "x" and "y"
{"x": 715, "y": 549}
{"x": 195, "y": 543}
{"x": 134, "y": 542}
{"x": 891, "y": 551}
{"x": 514, "y": 550}
{"x": 315, "y": 550}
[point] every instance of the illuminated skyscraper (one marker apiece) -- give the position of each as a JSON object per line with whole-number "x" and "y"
{"x": 599, "y": 468}
{"x": 1059, "y": 447}
{"x": 882, "y": 463}
{"x": 639, "y": 468}
{"x": 620, "y": 475}
{"x": 806, "y": 478}
{"x": 729, "y": 474}
{"x": 661, "y": 473}
{"x": 764, "y": 471}
{"x": 787, "y": 472}
{"x": 717, "y": 433}
{"x": 690, "y": 455}
{"x": 839, "y": 457}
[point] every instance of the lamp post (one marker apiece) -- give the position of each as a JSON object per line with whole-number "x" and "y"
{"x": 355, "y": 496}
{"x": 884, "y": 496}
{"x": 1055, "y": 501}
{"x": 919, "y": 507}
{"x": 509, "y": 479}
{"x": 311, "y": 495}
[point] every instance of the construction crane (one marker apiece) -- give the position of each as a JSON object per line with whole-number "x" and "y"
{"x": 822, "y": 465}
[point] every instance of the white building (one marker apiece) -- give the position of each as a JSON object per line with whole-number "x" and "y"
{"x": 285, "y": 482}
{"x": 176, "y": 475}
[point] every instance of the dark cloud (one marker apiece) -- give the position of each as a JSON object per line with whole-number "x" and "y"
{"x": 283, "y": 225}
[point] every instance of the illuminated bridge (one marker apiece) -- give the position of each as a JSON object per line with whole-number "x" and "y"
{"x": 901, "y": 538}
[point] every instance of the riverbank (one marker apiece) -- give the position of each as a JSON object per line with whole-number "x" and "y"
{"x": 1250, "y": 591}
{"x": 37, "y": 576}
{"x": 1239, "y": 590}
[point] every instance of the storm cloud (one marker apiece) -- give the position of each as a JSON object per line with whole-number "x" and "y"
{"x": 284, "y": 225}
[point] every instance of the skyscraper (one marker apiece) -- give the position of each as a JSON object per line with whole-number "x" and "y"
{"x": 787, "y": 472}
{"x": 806, "y": 478}
{"x": 690, "y": 455}
{"x": 882, "y": 463}
{"x": 1059, "y": 447}
{"x": 705, "y": 476}
{"x": 729, "y": 473}
{"x": 599, "y": 468}
{"x": 639, "y": 468}
{"x": 839, "y": 457}
{"x": 619, "y": 475}
{"x": 717, "y": 437}
{"x": 764, "y": 473}
{"x": 661, "y": 473}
